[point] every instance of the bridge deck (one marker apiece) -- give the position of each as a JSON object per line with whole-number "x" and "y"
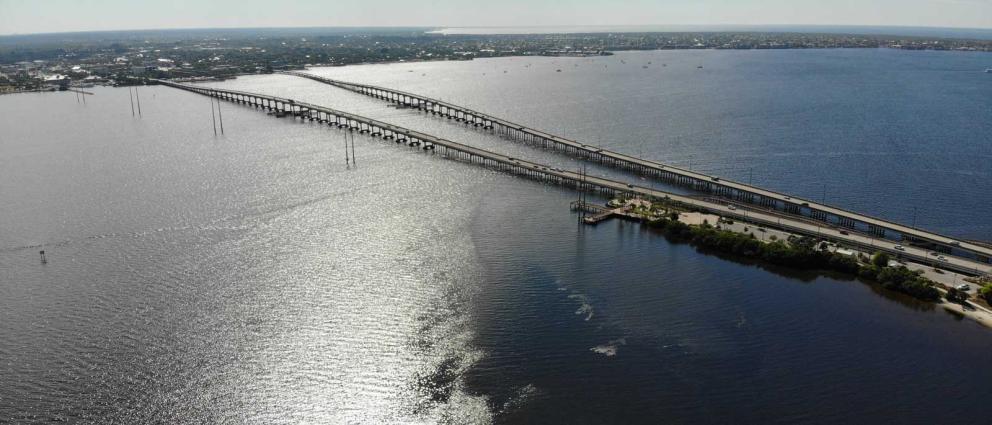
{"x": 617, "y": 157}
{"x": 533, "y": 169}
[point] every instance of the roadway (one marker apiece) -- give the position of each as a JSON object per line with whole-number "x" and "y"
{"x": 787, "y": 222}
{"x": 653, "y": 165}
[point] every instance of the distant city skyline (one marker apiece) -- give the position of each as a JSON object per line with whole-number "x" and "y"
{"x": 28, "y": 17}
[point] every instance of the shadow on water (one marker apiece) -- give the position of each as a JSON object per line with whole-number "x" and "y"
{"x": 436, "y": 386}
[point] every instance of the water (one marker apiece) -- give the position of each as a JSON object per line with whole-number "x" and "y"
{"x": 254, "y": 277}
{"x": 938, "y": 32}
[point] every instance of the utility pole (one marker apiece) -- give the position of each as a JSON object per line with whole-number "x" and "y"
{"x": 346, "y": 158}
{"x": 581, "y": 200}
{"x": 213, "y": 117}
{"x": 221, "y": 116}
{"x": 138, "y": 99}
{"x": 585, "y": 178}
{"x": 354, "y": 159}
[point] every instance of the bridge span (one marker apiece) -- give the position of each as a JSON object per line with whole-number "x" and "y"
{"x": 740, "y": 192}
{"x": 461, "y": 152}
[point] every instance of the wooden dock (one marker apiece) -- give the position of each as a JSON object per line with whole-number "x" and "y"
{"x": 599, "y": 213}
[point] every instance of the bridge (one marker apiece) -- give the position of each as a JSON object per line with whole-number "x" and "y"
{"x": 580, "y": 181}
{"x": 748, "y": 194}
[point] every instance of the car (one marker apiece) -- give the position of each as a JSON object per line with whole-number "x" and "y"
{"x": 787, "y": 198}
{"x": 731, "y": 207}
{"x": 899, "y": 248}
{"x": 941, "y": 258}
{"x": 963, "y": 287}
{"x": 955, "y": 243}
{"x": 934, "y": 254}
{"x": 844, "y": 232}
{"x": 630, "y": 185}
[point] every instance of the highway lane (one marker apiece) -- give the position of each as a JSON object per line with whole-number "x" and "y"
{"x": 714, "y": 180}
{"x": 786, "y": 222}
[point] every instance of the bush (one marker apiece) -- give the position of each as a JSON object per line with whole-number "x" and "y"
{"x": 908, "y": 282}
{"x": 868, "y": 272}
{"x": 955, "y": 296}
{"x": 802, "y": 252}
{"x": 986, "y": 293}
{"x": 880, "y": 259}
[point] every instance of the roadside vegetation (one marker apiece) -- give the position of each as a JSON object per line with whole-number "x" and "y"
{"x": 804, "y": 252}
{"x": 986, "y": 293}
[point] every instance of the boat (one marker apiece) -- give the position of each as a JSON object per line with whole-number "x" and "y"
{"x": 988, "y": 70}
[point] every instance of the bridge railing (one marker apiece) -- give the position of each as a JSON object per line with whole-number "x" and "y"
{"x": 788, "y": 202}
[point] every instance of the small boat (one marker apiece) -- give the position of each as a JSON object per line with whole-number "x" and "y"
{"x": 558, "y": 70}
{"x": 988, "y": 70}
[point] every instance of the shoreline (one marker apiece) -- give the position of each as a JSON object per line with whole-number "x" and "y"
{"x": 578, "y": 55}
{"x": 701, "y": 222}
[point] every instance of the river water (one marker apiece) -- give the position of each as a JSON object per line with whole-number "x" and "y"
{"x": 256, "y": 277}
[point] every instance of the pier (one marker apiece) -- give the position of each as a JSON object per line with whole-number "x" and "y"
{"x": 599, "y": 213}
{"x": 457, "y": 151}
{"x": 713, "y": 185}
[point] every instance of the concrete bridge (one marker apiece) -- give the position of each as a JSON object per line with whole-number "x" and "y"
{"x": 457, "y": 151}
{"x": 728, "y": 189}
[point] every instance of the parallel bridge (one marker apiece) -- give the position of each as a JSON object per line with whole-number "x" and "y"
{"x": 829, "y": 215}
{"x": 458, "y": 151}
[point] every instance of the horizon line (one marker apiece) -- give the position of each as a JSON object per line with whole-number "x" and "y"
{"x": 443, "y": 27}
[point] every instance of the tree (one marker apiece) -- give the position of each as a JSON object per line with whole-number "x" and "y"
{"x": 880, "y": 259}
{"x": 955, "y": 296}
{"x": 986, "y": 292}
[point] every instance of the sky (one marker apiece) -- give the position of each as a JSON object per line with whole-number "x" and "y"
{"x": 41, "y": 16}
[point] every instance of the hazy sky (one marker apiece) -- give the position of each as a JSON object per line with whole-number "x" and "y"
{"x": 33, "y": 16}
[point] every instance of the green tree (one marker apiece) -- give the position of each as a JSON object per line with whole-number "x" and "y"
{"x": 880, "y": 259}
{"x": 955, "y": 296}
{"x": 986, "y": 293}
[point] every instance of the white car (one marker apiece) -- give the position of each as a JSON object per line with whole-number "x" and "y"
{"x": 731, "y": 207}
{"x": 899, "y": 248}
{"x": 964, "y": 287}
